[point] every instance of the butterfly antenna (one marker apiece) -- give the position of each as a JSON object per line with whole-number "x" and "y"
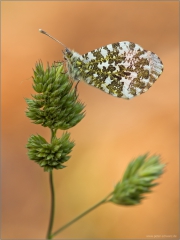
{"x": 42, "y": 31}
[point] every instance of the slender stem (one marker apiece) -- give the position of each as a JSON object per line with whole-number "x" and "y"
{"x": 51, "y": 220}
{"x": 52, "y": 206}
{"x": 80, "y": 216}
{"x": 53, "y": 134}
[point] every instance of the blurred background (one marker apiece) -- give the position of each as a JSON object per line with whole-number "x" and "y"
{"x": 114, "y": 131}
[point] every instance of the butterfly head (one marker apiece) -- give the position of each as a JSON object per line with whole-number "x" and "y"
{"x": 67, "y": 54}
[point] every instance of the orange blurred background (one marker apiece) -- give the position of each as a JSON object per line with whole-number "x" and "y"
{"x": 113, "y": 132}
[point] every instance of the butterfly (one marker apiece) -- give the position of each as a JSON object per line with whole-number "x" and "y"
{"x": 122, "y": 69}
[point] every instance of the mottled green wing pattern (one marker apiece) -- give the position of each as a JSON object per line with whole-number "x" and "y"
{"x": 122, "y": 69}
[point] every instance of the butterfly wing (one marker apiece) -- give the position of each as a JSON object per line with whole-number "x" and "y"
{"x": 122, "y": 69}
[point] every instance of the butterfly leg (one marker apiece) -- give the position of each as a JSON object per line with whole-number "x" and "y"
{"x": 76, "y": 86}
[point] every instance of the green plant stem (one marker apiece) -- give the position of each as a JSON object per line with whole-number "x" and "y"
{"x": 80, "y": 216}
{"x": 52, "y": 206}
{"x": 53, "y": 134}
{"x": 51, "y": 220}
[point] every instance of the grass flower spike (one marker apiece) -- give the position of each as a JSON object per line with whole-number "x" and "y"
{"x": 55, "y": 105}
{"x": 50, "y": 155}
{"x": 137, "y": 180}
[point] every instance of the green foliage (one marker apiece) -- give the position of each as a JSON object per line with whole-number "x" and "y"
{"x": 50, "y": 155}
{"x": 137, "y": 180}
{"x": 55, "y": 105}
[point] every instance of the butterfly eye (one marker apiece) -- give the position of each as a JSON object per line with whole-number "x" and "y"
{"x": 67, "y": 50}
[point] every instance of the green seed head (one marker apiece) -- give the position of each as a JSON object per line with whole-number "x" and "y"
{"x": 137, "y": 180}
{"x": 50, "y": 155}
{"x": 55, "y": 105}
